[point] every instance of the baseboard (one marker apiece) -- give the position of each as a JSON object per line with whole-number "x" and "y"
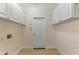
{"x": 18, "y": 51}
{"x": 61, "y": 53}
{"x": 14, "y": 53}
{"x": 21, "y": 49}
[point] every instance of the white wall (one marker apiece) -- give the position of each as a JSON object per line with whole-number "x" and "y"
{"x": 12, "y": 45}
{"x": 50, "y": 36}
{"x": 22, "y": 35}
{"x": 39, "y": 10}
{"x": 67, "y": 37}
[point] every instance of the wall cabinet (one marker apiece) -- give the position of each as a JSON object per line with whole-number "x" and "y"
{"x": 3, "y": 8}
{"x": 17, "y": 13}
{"x": 65, "y": 12}
{"x": 12, "y": 12}
{"x": 9, "y": 9}
{"x": 20, "y": 15}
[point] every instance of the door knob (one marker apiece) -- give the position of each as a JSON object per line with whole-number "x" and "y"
{"x": 34, "y": 34}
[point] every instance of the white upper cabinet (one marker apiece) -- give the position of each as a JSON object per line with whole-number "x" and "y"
{"x": 9, "y": 9}
{"x": 21, "y": 15}
{"x": 3, "y": 8}
{"x": 15, "y": 13}
{"x": 65, "y": 12}
{"x": 75, "y": 10}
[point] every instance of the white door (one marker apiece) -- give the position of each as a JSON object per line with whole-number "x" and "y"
{"x": 38, "y": 30}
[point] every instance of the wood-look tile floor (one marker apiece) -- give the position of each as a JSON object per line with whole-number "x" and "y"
{"x": 39, "y": 52}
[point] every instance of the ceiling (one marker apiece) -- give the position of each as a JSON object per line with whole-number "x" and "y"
{"x": 40, "y": 6}
{"x": 37, "y": 10}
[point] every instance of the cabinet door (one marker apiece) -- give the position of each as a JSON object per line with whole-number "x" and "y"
{"x": 65, "y": 9}
{"x": 9, "y": 9}
{"x": 75, "y": 10}
{"x": 55, "y": 16}
{"x": 15, "y": 12}
{"x": 20, "y": 16}
{"x": 61, "y": 12}
{"x": 3, "y": 8}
